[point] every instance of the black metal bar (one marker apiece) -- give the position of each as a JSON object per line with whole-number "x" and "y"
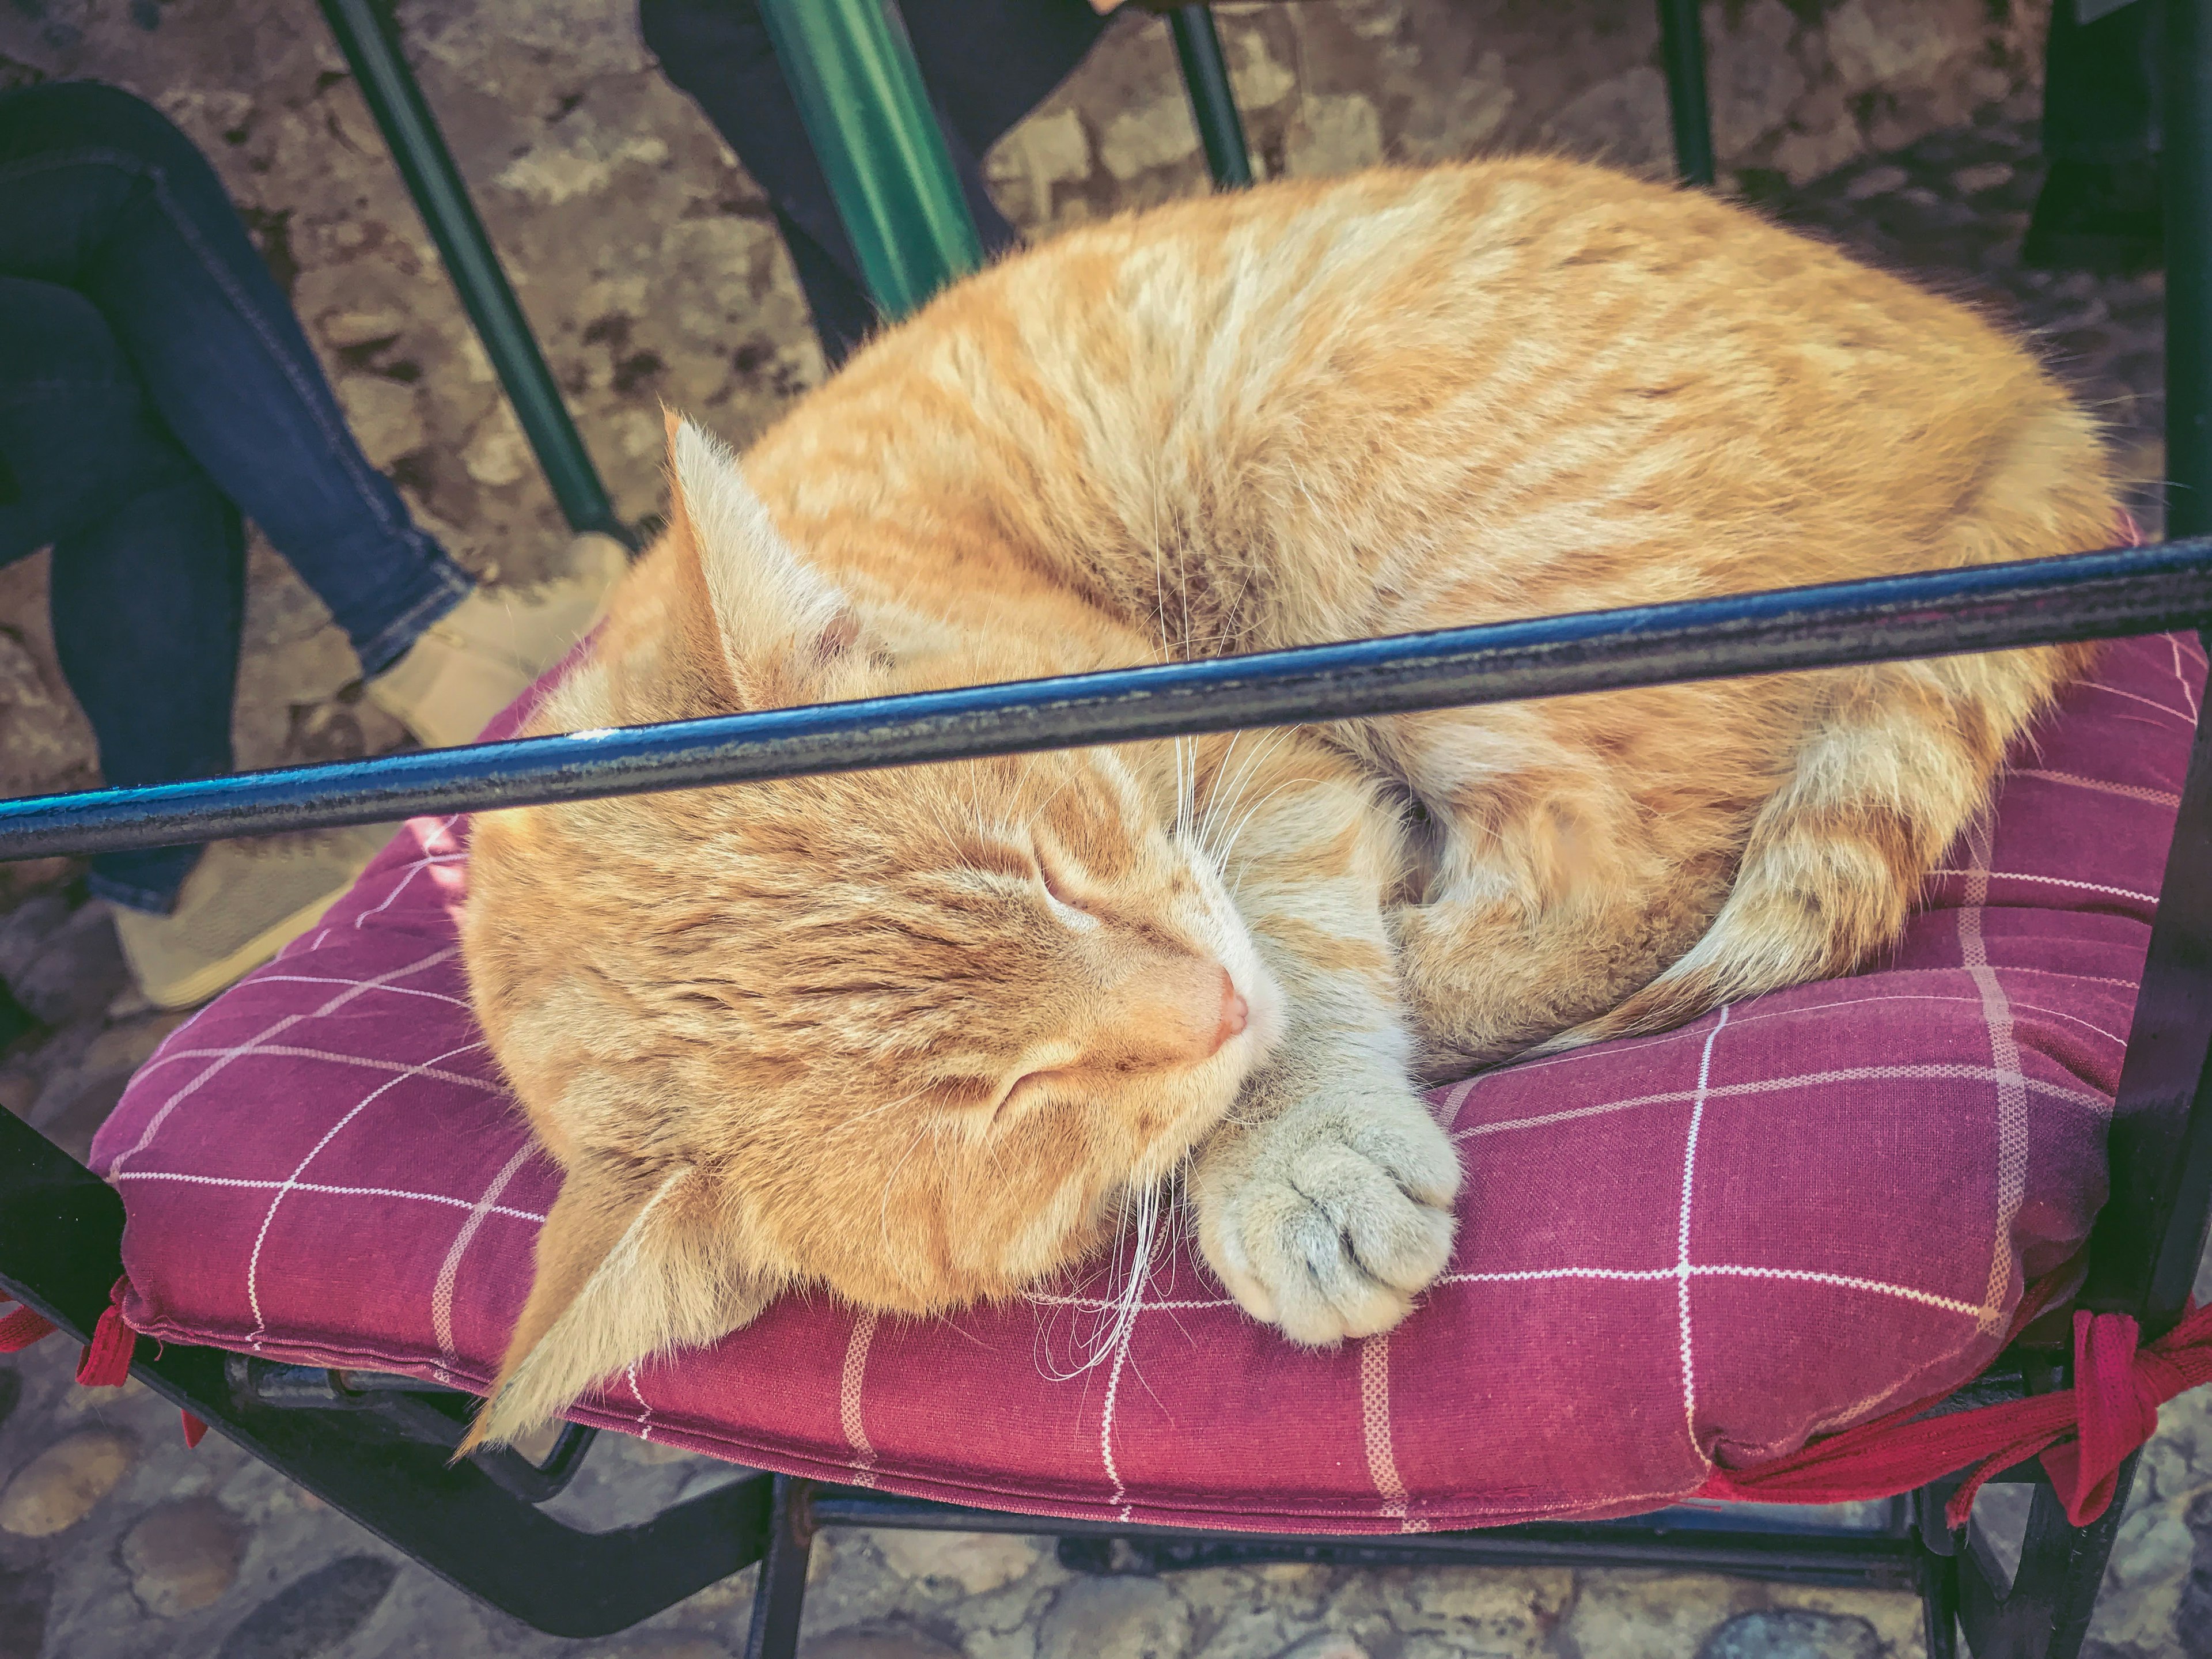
{"x": 61, "y": 1239}
{"x": 2045, "y": 1614}
{"x": 1212, "y": 100}
{"x": 2083, "y": 597}
{"x": 780, "y": 1593}
{"x": 2150, "y": 1237}
{"x": 1679, "y": 1539}
{"x": 2186, "y": 166}
{"x": 395, "y": 99}
{"x": 1939, "y": 1604}
{"x": 1682, "y": 51}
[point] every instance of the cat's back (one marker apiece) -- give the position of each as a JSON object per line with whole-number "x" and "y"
{"x": 1296, "y": 395}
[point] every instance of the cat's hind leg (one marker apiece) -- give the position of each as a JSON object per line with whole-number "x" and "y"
{"x": 1489, "y": 975}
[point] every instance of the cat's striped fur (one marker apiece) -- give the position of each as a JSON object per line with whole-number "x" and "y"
{"x": 917, "y": 1036}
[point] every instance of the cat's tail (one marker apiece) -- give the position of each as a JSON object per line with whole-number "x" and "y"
{"x": 1898, "y": 758}
{"x": 1900, "y": 761}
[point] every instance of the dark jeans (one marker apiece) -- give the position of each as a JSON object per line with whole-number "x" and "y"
{"x": 155, "y": 386}
{"x": 987, "y": 63}
{"x": 2100, "y": 84}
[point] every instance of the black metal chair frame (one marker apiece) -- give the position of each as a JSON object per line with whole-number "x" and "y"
{"x": 377, "y": 1447}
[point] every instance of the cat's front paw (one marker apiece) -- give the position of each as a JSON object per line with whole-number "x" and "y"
{"x": 1328, "y": 1220}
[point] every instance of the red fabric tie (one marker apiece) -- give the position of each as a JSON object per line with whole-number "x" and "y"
{"x": 2083, "y": 1434}
{"x": 21, "y": 1328}
{"x": 194, "y": 1430}
{"x": 107, "y": 1362}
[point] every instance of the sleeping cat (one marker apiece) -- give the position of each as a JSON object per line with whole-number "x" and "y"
{"x": 918, "y": 1036}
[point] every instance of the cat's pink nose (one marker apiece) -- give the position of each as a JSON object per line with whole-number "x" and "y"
{"x": 1235, "y": 1013}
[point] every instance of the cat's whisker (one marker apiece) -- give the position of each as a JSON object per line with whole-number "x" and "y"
{"x": 1221, "y": 859}
{"x": 1213, "y": 794}
{"x": 1231, "y": 798}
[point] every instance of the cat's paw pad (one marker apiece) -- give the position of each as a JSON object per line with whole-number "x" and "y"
{"x": 1328, "y": 1229}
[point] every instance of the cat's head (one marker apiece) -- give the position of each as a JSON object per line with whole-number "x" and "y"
{"x": 912, "y": 1035}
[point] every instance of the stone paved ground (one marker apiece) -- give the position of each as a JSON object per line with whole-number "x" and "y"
{"x": 116, "y": 1542}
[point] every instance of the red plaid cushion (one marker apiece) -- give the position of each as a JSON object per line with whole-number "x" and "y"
{"x": 1680, "y": 1251}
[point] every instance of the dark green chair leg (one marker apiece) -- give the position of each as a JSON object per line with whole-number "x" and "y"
{"x": 779, "y": 1591}
{"x": 860, "y": 97}
{"x": 1212, "y": 103}
{"x": 2186, "y": 165}
{"x": 1682, "y": 49}
{"x": 2045, "y": 1612}
{"x": 411, "y": 132}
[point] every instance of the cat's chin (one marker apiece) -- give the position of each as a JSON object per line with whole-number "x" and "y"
{"x": 1264, "y": 1020}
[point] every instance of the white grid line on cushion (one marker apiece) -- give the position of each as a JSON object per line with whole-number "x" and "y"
{"x": 1375, "y": 1430}
{"x": 329, "y": 1190}
{"x": 1741, "y": 1019}
{"x": 1987, "y": 876}
{"x": 415, "y": 868}
{"x": 2137, "y": 696}
{"x": 254, "y": 1261}
{"x": 1447, "y": 1110}
{"x": 396, "y": 990}
{"x": 1123, "y": 1333}
{"x": 1933, "y": 1071}
{"x": 1128, "y": 1331}
{"x": 1718, "y": 1270}
{"x": 441, "y": 1292}
{"x": 2127, "y": 791}
{"x": 1110, "y": 1305}
{"x": 1754, "y": 1010}
{"x": 851, "y": 1398}
{"x": 1682, "y": 1230}
{"x": 1842, "y": 1281}
{"x": 2011, "y": 1097}
{"x": 228, "y": 1056}
{"x": 2071, "y": 1020}
{"x": 367, "y": 1062}
{"x": 2181, "y": 678}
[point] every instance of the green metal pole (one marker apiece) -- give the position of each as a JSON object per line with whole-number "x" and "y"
{"x": 1682, "y": 49}
{"x": 411, "y": 131}
{"x": 1213, "y": 102}
{"x": 2186, "y": 167}
{"x": 861, "y": 96}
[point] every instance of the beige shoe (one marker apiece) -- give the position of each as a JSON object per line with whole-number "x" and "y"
{"x": 485, "y": 652}
{"x": 244, "y": 902}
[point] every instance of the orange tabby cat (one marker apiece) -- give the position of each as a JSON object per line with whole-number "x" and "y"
{"x": 918, "y": 1036}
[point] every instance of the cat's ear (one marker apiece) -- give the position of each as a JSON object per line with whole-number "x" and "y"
{"x": 626, "y": 1267}
{"x": 776, "y": 616}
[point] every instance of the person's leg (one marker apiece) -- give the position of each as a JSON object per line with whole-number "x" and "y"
{"x": 100, "y": 193}
{"x": 844, "y": 316}
{"x": 148, "y": 566}
{"x": 2099, "y": 209}
{"x": 147, "y": 603}
{"x": 2100, "y": 80}
{"x": 987, "y": 63}
{"x": 148, "y": 595}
